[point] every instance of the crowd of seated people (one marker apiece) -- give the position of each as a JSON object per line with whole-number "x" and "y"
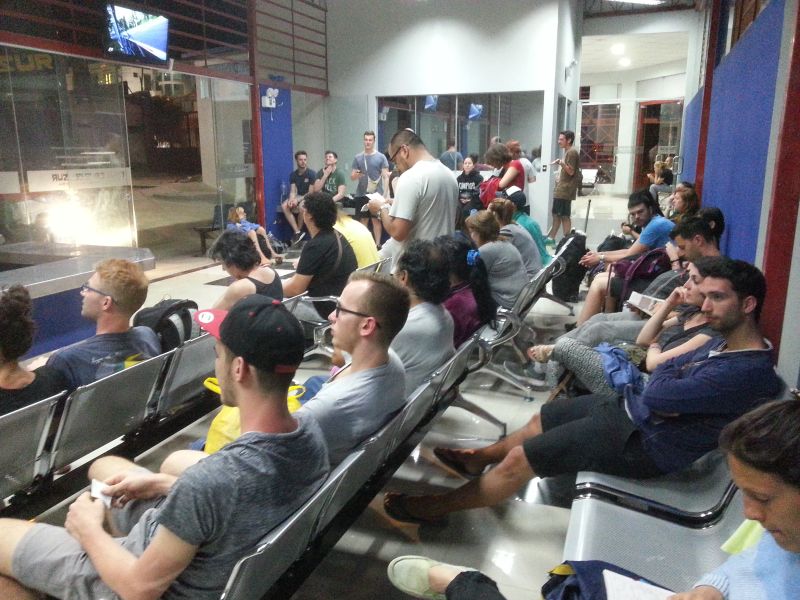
{"x": 704, "y": 359}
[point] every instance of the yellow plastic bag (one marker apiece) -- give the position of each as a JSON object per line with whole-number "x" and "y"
{"x": 226, "y": 426}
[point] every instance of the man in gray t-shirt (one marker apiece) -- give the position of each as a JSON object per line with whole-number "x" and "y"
{"x": 368, "y": 391}
{"x": 426, "y": 194}
{"x": 185, "y": 528}
{"x": 371, "y": 170}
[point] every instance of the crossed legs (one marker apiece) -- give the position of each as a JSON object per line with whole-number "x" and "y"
{"x": 512, "y": 471}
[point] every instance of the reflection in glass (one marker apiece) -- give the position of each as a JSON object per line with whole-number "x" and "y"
{"x": 64, "y": 137}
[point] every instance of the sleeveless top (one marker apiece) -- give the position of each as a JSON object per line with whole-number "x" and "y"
{"x": 272, "y": 290}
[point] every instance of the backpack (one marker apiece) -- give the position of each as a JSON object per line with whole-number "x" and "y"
{"x": 648, "y": 266}
{"x": 565, "y": 285}
{"x": 172, "y": 321}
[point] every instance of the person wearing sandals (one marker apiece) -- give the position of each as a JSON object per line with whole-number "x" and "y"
{"x": 762, "y": 449}
{"x": 241, "y": 261}
{"x": 676, "y": 327}
{"x": 674, "y": 420}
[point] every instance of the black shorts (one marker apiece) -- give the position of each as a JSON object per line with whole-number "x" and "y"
{"x": 588, "y": 433}
{"x": 562, "y": 208}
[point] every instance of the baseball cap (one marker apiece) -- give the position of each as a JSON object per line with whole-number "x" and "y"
{"x": 517, "y": 196}
{"x": 259, "y": 329}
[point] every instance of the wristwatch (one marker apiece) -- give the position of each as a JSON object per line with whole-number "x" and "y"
{"x": 602, "y": 258}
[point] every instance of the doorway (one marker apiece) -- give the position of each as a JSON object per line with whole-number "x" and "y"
{"x": 658, "y": 134}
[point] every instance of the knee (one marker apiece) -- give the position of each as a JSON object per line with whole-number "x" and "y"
{"x": 105, "y": 467}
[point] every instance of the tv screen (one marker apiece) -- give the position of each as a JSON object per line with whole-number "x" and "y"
{"x": 136, "y": 35}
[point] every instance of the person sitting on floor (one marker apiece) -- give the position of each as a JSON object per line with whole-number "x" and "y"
{"x": 763, "y": 451}
{"x": 503, "y": 262}
{"x": 672, "y": 422}
{"x": 362, "y": 396}
{"x": 179, "y": 535}
{"x": 237, "y": 221}
{"x": 426, "y": 341}
{"x": 470, "y": 301}
{"x": 18, "y": 386}
{"x": 241, "y": 261}
{"x": 114, "y": 292}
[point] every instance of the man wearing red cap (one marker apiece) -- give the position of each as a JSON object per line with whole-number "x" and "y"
{"x": 183, "y": 534}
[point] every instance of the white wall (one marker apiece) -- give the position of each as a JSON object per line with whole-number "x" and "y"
{"x": 308, "y": 127}
{"x": 388, "y": 48}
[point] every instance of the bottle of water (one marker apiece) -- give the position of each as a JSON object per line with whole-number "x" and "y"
{"x": 284, "y": 191}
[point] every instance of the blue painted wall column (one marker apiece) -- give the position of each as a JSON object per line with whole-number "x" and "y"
{"x": 276, "y": 143}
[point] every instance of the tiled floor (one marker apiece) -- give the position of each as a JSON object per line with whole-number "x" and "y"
{"x": 516, "y": 542}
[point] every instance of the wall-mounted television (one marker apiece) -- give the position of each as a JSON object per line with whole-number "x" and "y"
{"x": 136, "y": 35}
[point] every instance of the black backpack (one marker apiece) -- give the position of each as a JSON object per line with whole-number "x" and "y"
{"x": 566, "y": 285}
{"x": 172, "y": 321}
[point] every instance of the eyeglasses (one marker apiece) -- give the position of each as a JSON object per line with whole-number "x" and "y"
{"x": 341, "y": 309}
{"x": 393, "y": 156}
{"x": 87, "y": 288}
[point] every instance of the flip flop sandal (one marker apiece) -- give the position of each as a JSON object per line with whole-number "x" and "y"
{"x": 395, "y": 506}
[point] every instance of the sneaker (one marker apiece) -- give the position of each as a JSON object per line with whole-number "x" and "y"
{"x": 548, "y": 241}
{"x": 409, "y": 574}
{"x": 527, "y": 372}
{"x": 297, "y": 237}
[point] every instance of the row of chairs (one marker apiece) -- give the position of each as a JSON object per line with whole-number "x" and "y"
{"x": 255, "y": 574}
{"x": 48, "y": 436}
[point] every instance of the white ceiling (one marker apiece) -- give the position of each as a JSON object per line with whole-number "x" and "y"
{"x": 644, "y": 50}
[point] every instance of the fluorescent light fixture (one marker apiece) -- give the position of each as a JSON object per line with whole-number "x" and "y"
{"x": 618, "y": 49}
{"x": 647, "y": 2}
{"x": 624, "y": 62}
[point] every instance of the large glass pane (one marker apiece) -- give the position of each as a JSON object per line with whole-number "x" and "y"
{"x": 658, "y": 137}
{"x": 436, "y": 116}
{"x": 69, "y": 139}
{"x": 235, "y": 171}
{"x": 599, "y": 132}
{"x": 473, "y": 124}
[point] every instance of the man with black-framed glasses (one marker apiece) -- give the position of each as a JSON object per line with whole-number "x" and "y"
{"x": 370, "y": 389}
{"x": 114, "y": 292}
{"x": 426, "y": 195}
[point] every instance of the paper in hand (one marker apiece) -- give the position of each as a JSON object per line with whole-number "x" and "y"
{"x": 96, "y": 492}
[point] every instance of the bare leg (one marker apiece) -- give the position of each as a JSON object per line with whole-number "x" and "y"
{"x": 475, "y": 460}
{"x": 594, "y": 298}
{"x": 490, "y": 489}
{"x": 566, "y": 225}
{"x": 180, "y": 460}
{"x": 105, "y": 467}
{"x": 377, "y": 231}
{"x": 262, "y": 232}
{"x": 554, "y": 228}
{"x": 13, "y": 531}
{"x": 290, "y": 218}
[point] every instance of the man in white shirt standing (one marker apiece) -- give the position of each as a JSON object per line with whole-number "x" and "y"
{"x": 426, "y": 194}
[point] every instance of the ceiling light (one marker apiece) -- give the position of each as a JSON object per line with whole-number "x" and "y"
{"x": 648, "y": 2}
{"x": 624, "y": 62}
{"x": 618, "y": 49}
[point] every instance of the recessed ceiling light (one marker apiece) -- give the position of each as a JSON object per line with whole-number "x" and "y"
{"x": 624, "y": 62}
{"x": 648, "y": 2}
{"x": 618, "y": 49}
